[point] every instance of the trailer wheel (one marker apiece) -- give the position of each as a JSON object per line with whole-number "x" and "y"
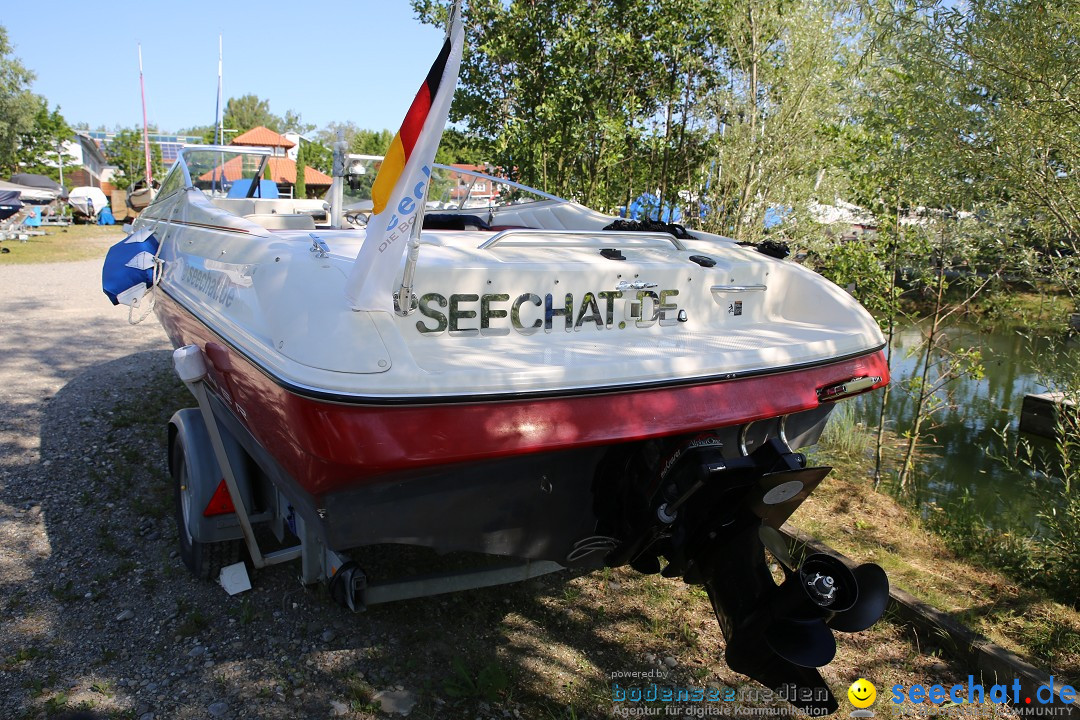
{"x": 204, "y": 560}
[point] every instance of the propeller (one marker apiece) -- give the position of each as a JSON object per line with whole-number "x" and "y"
{"x": 774, "y": 541}
{"x": 873, "y": 585}
{"x": 780, "y": 635}
{"x": 806, "y": 643}
{"x": 823, "y": 593}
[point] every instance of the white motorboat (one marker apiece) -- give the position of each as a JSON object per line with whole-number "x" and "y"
{"x": 87, "y": 201}
{"x": 555, "y": 390}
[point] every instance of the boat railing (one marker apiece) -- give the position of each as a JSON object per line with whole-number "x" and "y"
{"x": 522, "y": 236}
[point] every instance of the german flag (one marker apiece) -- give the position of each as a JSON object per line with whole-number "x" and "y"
{"x": 401, "y": 186}
{"x": 404, "y": 142}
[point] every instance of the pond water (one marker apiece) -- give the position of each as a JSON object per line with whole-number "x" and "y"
{"x": 962, "y": 455}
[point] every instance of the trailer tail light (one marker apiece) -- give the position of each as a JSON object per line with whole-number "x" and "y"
{"x": 221, "y": 503}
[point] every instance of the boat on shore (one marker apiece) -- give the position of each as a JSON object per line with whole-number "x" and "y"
{"x": 559, "y": 392}
{"x": 87, "y": 201}
{"x": 562, "y": 389}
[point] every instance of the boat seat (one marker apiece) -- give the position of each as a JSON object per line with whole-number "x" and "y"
{"x": 282, "y": 221}
{"x": 454, "y": 221}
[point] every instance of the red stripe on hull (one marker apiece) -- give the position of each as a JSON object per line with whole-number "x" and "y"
{"x": 328, "y": 446}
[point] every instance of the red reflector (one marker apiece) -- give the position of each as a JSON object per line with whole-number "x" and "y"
{"x": 221, "y": 503}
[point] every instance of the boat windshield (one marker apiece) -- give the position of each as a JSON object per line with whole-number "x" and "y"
{"x": 228, "y": 172}
{"x": 459, "y": 187}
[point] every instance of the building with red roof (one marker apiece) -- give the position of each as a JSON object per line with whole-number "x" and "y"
{"x": 282, "y": 169}
{"x": 264, "y": 137}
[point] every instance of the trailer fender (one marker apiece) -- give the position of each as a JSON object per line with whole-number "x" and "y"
{"x": 188, "y": 428}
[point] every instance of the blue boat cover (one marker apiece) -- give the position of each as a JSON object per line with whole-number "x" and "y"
{"x": 267, "y": 189}
{"x": 9, "y": 203}
{"x": 129, "y": 268}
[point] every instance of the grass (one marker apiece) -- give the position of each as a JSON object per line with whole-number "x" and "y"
{"x": 75, "y": 242}
{"x": 847, "y": 514}
{"x": 195, "y": 622}
{"x": 488, "y": 683}
{"x": 1038, "y": 312}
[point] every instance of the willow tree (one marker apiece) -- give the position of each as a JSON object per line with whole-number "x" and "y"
{"x": 1021, "y": 61}
{"x": 785, "y": 91}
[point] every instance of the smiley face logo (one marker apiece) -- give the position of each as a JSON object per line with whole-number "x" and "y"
{"x": 862, "y": 693}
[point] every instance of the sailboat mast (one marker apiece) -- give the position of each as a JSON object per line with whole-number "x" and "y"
{"x": 219, "y": 119}
{"x": 145, "y": 130}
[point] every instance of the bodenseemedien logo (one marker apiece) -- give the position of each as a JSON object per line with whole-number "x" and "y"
{"x": 862, "y": 695}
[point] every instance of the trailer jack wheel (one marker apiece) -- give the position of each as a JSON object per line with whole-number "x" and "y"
{"x": 204, "y": 560}
{"x": 347, "y": 586}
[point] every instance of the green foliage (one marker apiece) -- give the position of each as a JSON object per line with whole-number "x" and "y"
{"x": 207, "y": 134}
{"x": 460, "y": 147}
{"x": 28, "y": 130}
{"x": 369, "y": 142}
{"x": 1014, "y": 552}
{"x": 127, "y": 152}
{"x": 1045, "y": 553}
{"x": 292, "y": 122}
{"x": 247, "y": 112}
{"x": 329, "y": 134}
{"x": 318, "y": 156}
{"x": 488, "y": 684}
{"x": 718, "y": 105}
{"x": 38, "y": 145}
{"x": 250, "y": 111}
{"x": 844, "y": 436}
{"x": 300, "y": 188}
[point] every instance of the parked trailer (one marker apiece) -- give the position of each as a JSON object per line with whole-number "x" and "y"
{"x": 224, "y": 489}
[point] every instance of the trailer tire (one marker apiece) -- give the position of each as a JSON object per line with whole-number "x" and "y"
{"x": 204, "y": 560}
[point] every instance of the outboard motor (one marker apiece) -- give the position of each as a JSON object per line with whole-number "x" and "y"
{"x": 711, "y": 518}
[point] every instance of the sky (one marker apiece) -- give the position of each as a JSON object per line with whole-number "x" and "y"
{"x": 330, "y": 61}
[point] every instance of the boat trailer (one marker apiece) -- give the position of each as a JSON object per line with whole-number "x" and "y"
{"x": 210, "y": 467}
{"x": 677, "y": 507}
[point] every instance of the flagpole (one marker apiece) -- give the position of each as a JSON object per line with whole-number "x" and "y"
{"x": 404, "y": 300}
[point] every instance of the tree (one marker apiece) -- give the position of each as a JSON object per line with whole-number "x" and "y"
{"x": 292, "y": 122}
{"x": 318, "y": 156}
{"x": 19, "y": 108}
{"x": 370, "y": 142}
{"x": 247, "y": 112}
{"x": 329, "y": 134}
{"x": 726, "y": 106}
{"x": 250, "y": 111}
{"x": 39, "y": 145}
{"x": 459, "y": 147}
{"x": 126, "y": 151}
{"x": 206, "y": 133}
{"x": 1020, "y": 62}
{"x": 300, "y": 188}
{"x": 551, "y": 87}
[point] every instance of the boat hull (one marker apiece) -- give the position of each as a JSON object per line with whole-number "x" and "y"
{"x": 382, "y": 472}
